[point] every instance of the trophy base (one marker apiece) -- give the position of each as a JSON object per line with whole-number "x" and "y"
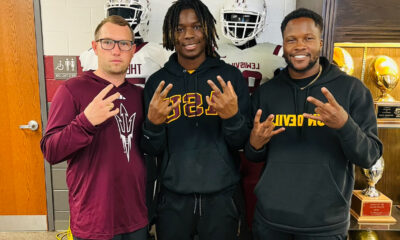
{"x": 371, "y": 209}
{"x": 375, "y": 226}
{"x": 387, "y": 112}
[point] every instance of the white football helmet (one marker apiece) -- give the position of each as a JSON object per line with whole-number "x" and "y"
{"x": 135, "y": 12}
{"x": 242, "y": 20}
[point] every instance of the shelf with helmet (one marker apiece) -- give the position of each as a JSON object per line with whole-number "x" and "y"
{"x": 377, "y": 65}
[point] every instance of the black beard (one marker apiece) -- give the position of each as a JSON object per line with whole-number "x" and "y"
{"x": 309, "y": 66}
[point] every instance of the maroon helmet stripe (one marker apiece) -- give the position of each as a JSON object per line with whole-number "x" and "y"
{"x": 277, "y": 49}
{"x": 138, "y": 47}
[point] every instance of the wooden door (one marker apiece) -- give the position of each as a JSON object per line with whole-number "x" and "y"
{"x": 22, "y": 173}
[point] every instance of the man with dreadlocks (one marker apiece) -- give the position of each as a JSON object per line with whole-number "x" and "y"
{"x": 195, "y": 125}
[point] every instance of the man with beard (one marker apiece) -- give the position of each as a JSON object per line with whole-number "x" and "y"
{"x": 94, "y": 124}
{"x": 312, "y": 124}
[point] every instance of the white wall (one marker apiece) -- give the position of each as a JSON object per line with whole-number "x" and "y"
{"x": 68, "y": 25}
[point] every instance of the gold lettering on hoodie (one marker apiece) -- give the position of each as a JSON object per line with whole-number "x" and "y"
{"x": 292, "y": 120}
{"x": 192, "y": 105}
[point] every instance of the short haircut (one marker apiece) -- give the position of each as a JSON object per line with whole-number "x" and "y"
{"x": 206, "y": 19}
{"x": 115, "y": 19}
{"x": 300, "y": 13}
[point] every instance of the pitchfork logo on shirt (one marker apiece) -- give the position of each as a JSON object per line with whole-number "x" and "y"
{"x": 125, "y": 126}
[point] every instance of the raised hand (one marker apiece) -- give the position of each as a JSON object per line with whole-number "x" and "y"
{"x": 262, "y": 132}
{"x": 100, "y": 109}
{"x": 225, "y": 102}
{"x": 331, "y": 113}
{"x": 160, "y": 107}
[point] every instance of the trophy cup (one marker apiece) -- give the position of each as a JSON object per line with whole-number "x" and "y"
{"x": 369, "y": 205}
{"x": 386, "y": 76}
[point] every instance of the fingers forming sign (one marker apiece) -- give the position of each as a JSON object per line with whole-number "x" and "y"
{"x": 262, "y": 132}
{"x": 330, "y": 113}
{"x": 225, "y": 101}
{"x": 160, "y": 106}
{"x": 100, "y": 109}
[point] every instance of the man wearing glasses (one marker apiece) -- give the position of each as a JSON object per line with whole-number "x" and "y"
{"x": 94, "y": 124}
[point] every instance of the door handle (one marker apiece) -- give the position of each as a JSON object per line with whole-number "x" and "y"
{"x": 32, "y": 125}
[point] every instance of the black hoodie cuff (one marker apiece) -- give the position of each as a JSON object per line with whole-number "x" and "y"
{"x": 255, "y": 155}
{"x": 347, "y": 131}
{"x": 153, "y": 127}
{"x": 233, "y": 121}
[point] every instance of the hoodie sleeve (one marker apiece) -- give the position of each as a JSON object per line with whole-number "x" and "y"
{"x": 358, "y": 137}
{"x": 236, "y": 129}
{"x": 153, "y": 140}
{"x": 67, "y": 130}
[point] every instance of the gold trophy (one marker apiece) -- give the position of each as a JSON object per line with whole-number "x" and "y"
{"x": 369, "y": 205}
{"x": 343, "y": 60}
{"x": 386, "y": 73}
{"x": 364, "y": 235}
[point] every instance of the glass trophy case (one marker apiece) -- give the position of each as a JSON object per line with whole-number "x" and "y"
{"x": 377, "y": 65}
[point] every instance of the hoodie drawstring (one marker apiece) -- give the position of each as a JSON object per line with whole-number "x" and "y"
{"x": 296, "y": 108}
{"x": 197, "y": 201}
{"x": 305, "y": 110}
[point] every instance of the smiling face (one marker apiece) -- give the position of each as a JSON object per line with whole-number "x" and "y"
{"x": 190, "y": 43}
{"x": 113, "y": 61}
{"x": 302, "y": 45}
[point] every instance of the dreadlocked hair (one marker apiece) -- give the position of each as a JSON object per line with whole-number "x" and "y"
{"x": 206, "y": 19}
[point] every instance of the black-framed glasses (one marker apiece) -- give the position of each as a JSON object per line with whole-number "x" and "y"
{"x": 108, "y": 44}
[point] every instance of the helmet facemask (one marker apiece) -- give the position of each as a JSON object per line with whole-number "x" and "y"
{"x": 132, "y": 16}
{"x": 241, "y": 21}
{"x": 135, "y": 12}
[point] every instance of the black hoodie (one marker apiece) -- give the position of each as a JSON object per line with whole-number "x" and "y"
{"x": 308, "y": 180}
{"x": 198, "y": 148}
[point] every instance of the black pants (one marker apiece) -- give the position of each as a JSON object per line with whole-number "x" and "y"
{"x": 152, "y": 173}
{"x": 262, "y": 232}
{"x": 210, "y": 216}
{"x": 140, "y": 234}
